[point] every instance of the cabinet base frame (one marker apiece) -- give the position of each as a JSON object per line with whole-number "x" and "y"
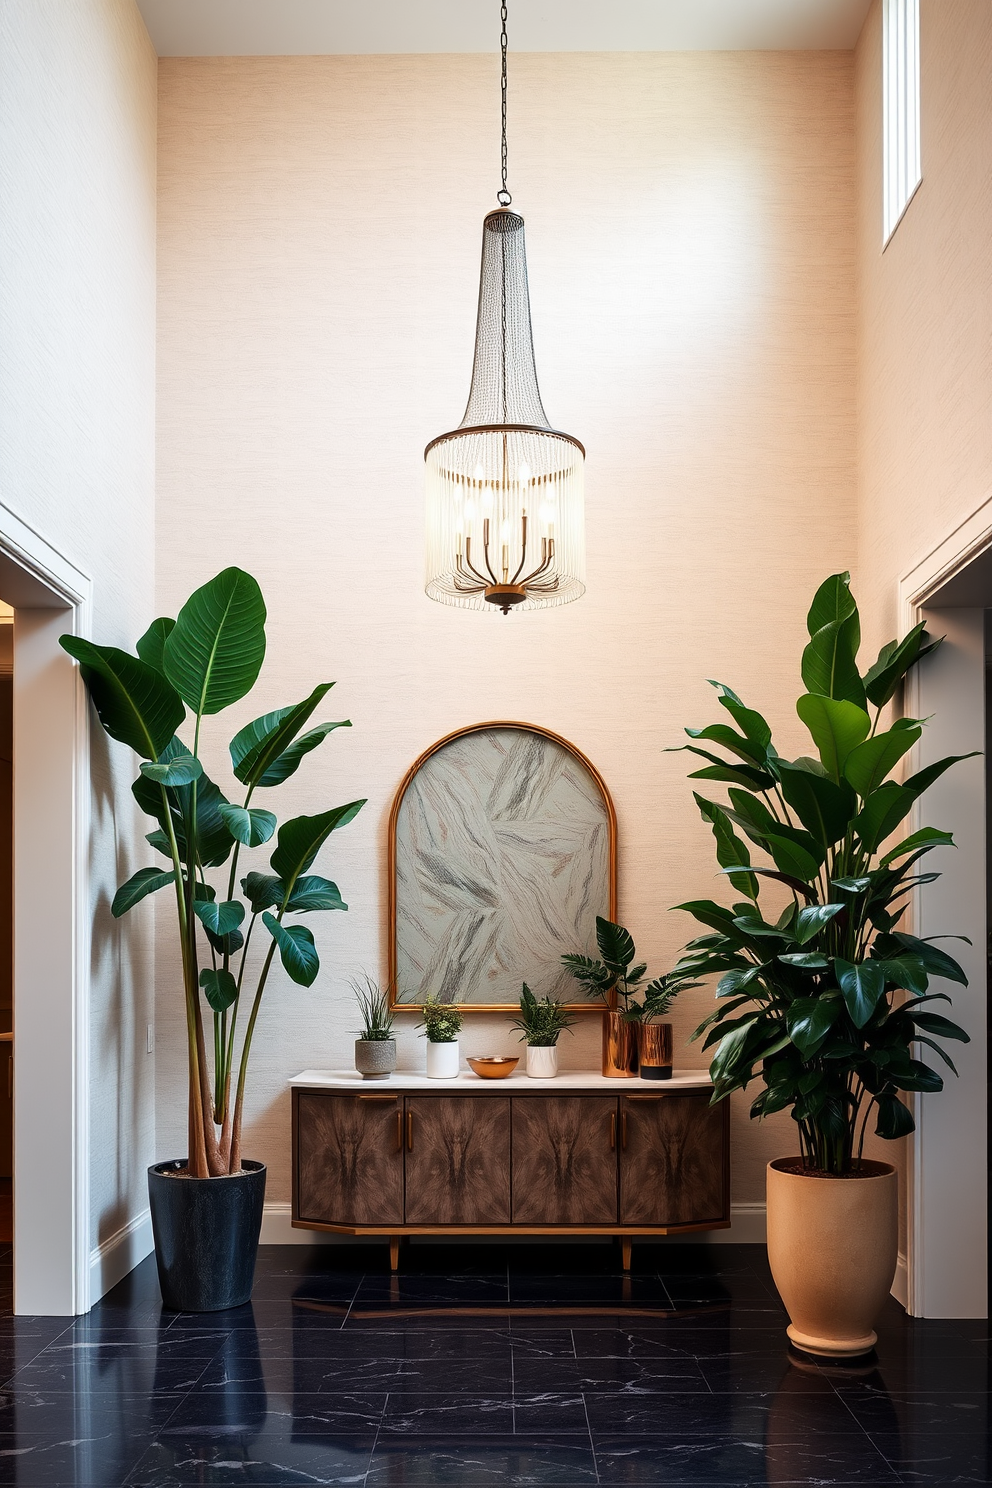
{"x": 626, "y": 1234}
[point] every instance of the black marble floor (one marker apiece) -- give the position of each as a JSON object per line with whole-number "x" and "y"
{"x": 483, "y": 1366}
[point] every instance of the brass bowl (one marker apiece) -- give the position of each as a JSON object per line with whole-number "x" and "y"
{"x": 495, "y": 1066}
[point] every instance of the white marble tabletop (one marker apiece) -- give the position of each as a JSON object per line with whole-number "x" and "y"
{"x": 519, "y": 1082}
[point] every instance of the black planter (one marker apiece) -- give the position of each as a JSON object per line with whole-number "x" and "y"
{"x": 206, "y": 1235}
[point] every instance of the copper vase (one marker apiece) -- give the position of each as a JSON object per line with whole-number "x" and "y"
{"x": 654, "y": 1050}
{"x": 619, "y": 1047}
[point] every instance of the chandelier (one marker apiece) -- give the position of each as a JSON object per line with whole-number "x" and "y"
{"x": 505, "y": 522}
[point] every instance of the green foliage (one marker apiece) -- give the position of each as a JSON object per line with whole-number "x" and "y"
{"x": 541, "y": 1019}
{"x": 615, "y": 974}
{"x": 441, "y": 1022}
{"x": 373, "y": 1005}
{"x": 826, "y": 1002}
{"x": 208, "y": 658}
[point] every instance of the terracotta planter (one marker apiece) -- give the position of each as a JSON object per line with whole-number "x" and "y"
{"x": 619, "y": 1047}
{"x": 832, "y": 1248}
{"x": 654, "y": 1050}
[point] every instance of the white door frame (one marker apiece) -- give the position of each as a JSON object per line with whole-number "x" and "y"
{"x": 50, "y": 595}
{"x": 947, "y": 1243}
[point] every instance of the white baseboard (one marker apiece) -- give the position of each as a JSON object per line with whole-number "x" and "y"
{"x": 114, "y": 1257}
{"x": 900, "y": 1283}
{"x": 747, "y": 1228}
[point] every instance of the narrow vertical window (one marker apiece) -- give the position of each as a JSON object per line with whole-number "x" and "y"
{"x": 901, "y": 170}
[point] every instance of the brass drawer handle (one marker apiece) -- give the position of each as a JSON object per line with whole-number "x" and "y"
{"x": 613, "y": 1131}
{"x": 409, "y": 1131}
{"x": 399, "y": 1131}
{"x": 377, "y": 1097}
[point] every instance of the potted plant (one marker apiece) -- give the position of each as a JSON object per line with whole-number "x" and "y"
{"x": 375, "y": 1047}
{"x": 441, "y": 1024}
{"x": 655, "y": 1043}
{"x": 824, "y": 999}
{"x": 541, "y": 1021}
{"x": 615, "y": 981}
{"x": 206, "y": 1206}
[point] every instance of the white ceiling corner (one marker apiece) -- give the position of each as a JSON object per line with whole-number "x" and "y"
{"x": 240, "y": 28}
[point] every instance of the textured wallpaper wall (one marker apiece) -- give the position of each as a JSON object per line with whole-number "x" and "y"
{"x": 77, "y": 447}
{"x": 691, "y": 237}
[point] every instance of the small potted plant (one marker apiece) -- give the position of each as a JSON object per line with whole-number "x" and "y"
{"x": 615, "y": 980}
{"x": 375, "y": 1048}
{"x": 442, "y": 1024}
{"x": 654, "y": 1038}
{"x": 541, "y": 1021}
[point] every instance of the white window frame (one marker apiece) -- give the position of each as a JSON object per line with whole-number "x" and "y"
{"x": 902, "y": 169}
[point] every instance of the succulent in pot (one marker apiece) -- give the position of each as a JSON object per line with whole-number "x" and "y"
{"x": 824, "y": 999}
{"x": 541, "y": 1021}
{"x": 442, "y": 1024}
{"x": 375, "y": 1047}
{"x": 206, "y": 1207}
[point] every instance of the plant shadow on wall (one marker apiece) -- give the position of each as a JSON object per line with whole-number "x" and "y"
{"x": 825, "y": 1001}
{"x": 206, "y": 659}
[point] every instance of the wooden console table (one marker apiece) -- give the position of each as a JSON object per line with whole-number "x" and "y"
{"x": 580, "y": 1154}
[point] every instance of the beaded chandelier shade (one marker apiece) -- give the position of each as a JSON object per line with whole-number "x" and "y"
{"x": 505, "y": 519}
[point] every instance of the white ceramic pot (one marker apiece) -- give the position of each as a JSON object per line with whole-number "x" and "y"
{"x": 442, "y": 1060}
{"x": 542, "y": 1062}
{"x": 832, "y": 1245}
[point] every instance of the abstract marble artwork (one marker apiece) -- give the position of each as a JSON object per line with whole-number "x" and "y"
{"x": 503, "y": 862}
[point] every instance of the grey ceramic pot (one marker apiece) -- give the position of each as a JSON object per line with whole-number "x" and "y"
{"x": 375, "y": 1059}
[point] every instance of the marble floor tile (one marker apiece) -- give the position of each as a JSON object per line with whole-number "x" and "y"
{"x": 496, "y": 1462}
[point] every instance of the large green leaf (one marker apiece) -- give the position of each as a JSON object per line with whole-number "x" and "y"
{"x": 810, "y": 921}
{"x": 824, "y": 807}
{"x": 829, "y": 664}
{"x": 219, "y": 988}
{"x": 145, "y": 881}
{"x": 296, "y": 950}
{"x": 739, "y": 744}
{"x": 894, "y": 1119}
{"x": 837, "y": 727}
{"x": 263, "y": 890}
{"x": 214, "y": 841}
{"x": 862, "y": 987}
{"x": 941, "y": 1027}
{"x": 313, "y": 893}
{"x": 256, "y": 748}
{"x": 926, "y": 837}
{"x": 894, "y": 661}
{"x": 937, "y": 962}
{"x": 248, "y": 825}
{"x": 151, "y": 647}
{"x": 301, "y": 839}
{"x": 730, "y": 850}
{"x": 810, "y": 1019}
{"x": 924, "y": 779}
{"x": 616, "y": 945}
{"x": 867, "y": 766}
{"x": 884, "y": 809}
{"x": 181, "y": 770}
{"x": 215, "y": 651}
{"x": 135, "y": 704}
{"x": 905, "y": 972}
{"x": 289, "y": 761}
{"x": 221, "y": 916}
{"x": 753, "y": 726}
{"x": 832, "y": 603}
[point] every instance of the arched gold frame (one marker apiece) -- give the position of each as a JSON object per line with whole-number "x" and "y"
{"x": 611, "y": 817}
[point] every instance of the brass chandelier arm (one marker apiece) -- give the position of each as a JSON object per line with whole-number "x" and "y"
{"x": 485, "y": 551}
{"x": 523, "y": 553}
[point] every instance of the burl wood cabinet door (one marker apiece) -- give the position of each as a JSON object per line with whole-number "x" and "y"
{"x": 457, "y": 1160}
{"x": 350, "y": 1159}
{"x": 565, "y": 1160}
{"x": 672, "y": 1160}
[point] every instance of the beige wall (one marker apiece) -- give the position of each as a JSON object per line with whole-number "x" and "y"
{"x": 925, "y": 372}
{"x": 691, "y": 241}
{"x": 77, "y": 444}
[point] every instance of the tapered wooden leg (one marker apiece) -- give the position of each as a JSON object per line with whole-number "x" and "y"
{"x": 394, "y": 1252}
{"x": 626, "y": 1241}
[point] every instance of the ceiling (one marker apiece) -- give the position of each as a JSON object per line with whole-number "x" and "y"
{"x": 240, "y": 28}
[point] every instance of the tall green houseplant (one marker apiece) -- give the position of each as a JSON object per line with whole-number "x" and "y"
{"x": 825, "y": 1000}
{"x": 205, "y": 660}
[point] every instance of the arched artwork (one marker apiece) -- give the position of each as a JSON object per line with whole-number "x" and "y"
{"x": 502, "y": 844}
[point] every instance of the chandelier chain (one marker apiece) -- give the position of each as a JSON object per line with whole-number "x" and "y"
{"x": 503, "y": 196}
